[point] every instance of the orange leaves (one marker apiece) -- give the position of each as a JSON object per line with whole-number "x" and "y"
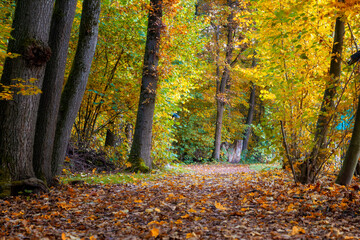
{"x": 63, "y": 236}
{"x": 191, "y": 210}
{"x": 290, "y": 208}
{"x": 220, "y": 207}
{"x": 154, "y": 232}
{"x": 297, "y": 230}
{"x": 178, "y": 221}
{"x": 191, "y": 235}
{"x": 185, "y": 216}
{"x": 200, "y": 205}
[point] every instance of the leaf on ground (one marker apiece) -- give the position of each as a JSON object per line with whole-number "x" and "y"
{"x": 220, "y": 207}
{"x": 154, "y": 232}
{"x": 297, "y": 230}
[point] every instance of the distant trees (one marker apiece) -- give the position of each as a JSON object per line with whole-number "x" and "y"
{"x": 223, "y": 81}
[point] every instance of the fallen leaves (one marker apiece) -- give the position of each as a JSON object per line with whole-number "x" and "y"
{"x": 199, "y": 205}
{"x": 297, "y": 230}
{"x": 154, "y": 232}
{"x": 220, "y": 207}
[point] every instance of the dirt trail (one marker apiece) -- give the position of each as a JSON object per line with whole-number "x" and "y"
{"x": 219, "y": 169}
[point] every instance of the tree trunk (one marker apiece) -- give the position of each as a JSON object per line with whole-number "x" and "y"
{"x": 129, "y": 133}
{"x": 219, "y": 118}
{"x": 76, "y": 84}
{"x": 312, "y": 166}
{"x": 352, "y": 154}
{"x": 141, "y": 147}
{"x": 249, "y": 118}
{"x": 221, "y": 89}
{"x": 357, "y": 169}
{"x": 110, "y": 139}
{"x": 61, "y": 24}
{"x": 234, "y": 153}
{"x": 18, "y": 116}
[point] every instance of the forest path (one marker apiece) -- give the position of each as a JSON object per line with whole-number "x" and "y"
{"x": 229, "y": 204}
{"x": 219, "y": 168}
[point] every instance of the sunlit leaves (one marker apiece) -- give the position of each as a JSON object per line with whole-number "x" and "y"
{"x": 293, "y": 42}
{"x": 19, "y": 86}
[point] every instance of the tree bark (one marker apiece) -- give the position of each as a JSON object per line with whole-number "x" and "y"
{"x": 141, "y": 147}
{"x": 110, "y": 139}
{"x": 311, "y": 167}
{"x": 249, "y": 118}
{"x": 31, "y": 26}
{"x": 352, "y": 154}
{"x": 221, "y": 89}
{"x": 129, "y": 133}
{"x": 357, "y": 170}
{"x": 76, "y": 84}
{"x": 61, "y": 24}
{"x": 235, "y": 150}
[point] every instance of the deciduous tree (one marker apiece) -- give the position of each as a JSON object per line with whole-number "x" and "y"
{"x": 141, "y": 147}
{"x": 61, "y": 23}
{"x": 76, "y": 83}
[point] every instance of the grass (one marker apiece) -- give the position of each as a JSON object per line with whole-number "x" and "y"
{"x": 264, "y": 166}
{"x": 122, "y": 177}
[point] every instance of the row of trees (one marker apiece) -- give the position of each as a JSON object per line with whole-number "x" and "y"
{"x": 35, "y": 129}
{"x": 242, "y": 64}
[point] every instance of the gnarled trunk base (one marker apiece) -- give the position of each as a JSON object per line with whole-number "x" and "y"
{"x": 27, "y": 186}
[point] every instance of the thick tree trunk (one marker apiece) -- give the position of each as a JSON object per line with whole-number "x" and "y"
{"x": 312, "y": 166}
{"x": 76, "y": 84}
{"x": 141, "y": 147}
{"x": 221, "y": 89}
{"x": 18, "y": 117}
{"x": 235, "y": 151}
{"x": 352, "y": 154}
{"x": 249, "y": 118}
{"x": 61, "y": 24}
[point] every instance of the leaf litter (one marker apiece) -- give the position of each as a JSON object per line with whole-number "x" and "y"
{"x": 231, "y": 203}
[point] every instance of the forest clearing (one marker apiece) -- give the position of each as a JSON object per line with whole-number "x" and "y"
{"x": 179, "y": 119}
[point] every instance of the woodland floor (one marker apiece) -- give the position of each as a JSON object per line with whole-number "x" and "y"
{"x": 209, "y": 202}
